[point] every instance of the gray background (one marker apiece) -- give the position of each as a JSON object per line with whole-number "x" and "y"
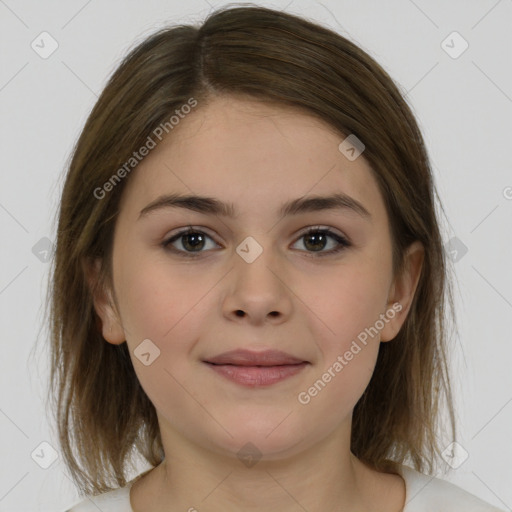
{"x": 463, "y": 106}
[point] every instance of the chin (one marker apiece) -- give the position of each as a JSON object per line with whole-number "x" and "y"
{"x": 268, "y": 436}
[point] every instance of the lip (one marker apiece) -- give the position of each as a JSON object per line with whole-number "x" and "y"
{"x": 255, "y": 376}
{"x": 241, "y": 357}
{"x": 255, "y": 369}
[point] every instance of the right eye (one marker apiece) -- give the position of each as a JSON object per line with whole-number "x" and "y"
{"x": 190, "y": 239}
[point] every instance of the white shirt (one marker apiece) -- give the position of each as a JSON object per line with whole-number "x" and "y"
{"x": 423, "y": 494}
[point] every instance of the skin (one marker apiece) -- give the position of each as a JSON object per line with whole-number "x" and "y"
{"x": 258, "y": 156}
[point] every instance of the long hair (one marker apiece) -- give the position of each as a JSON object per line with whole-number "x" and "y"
{"x": 102, "y": 413}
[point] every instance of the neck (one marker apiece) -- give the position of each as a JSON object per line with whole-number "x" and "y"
{"x": 326, "y": 476}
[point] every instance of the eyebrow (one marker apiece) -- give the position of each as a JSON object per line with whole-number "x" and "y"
{"x": 213, "y": 206}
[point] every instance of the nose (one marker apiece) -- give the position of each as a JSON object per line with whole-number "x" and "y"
{"x": 257, "y": 289}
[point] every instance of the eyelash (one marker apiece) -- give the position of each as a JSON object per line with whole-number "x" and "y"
{"x": 343, "y": 243}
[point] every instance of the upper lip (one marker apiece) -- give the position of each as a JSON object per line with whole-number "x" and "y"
{"x": 242, "y": 357}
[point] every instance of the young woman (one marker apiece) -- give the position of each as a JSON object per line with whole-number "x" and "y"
{"x": 249, "y": 286}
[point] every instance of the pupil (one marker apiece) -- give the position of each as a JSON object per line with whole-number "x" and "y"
{"x": 316, "y": 236}
{"x": 194, "y": 236}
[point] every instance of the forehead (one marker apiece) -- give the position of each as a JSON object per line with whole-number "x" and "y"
{"x": 252, "y": 154}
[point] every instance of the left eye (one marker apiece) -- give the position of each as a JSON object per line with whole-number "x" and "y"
{"x": 193, "y": 240}
{"x": 317, "y": 237}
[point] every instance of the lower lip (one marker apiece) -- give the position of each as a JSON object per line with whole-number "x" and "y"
{"x": 254, "y": 376}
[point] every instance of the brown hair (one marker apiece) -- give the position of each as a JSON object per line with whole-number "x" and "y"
{"x": 103, "y": 415}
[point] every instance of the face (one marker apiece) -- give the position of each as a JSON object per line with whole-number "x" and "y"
{"x": 255, "y": 280}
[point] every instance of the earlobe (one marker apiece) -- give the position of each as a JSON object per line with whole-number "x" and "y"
{"x": 111, "y": 328}
{"x": 403, "y": 290}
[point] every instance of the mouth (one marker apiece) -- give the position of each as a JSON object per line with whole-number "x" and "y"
{"x": 254, "y": 369}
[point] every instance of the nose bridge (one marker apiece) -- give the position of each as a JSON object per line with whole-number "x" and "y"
{"x": 257, "y": 288}
{"x": 256, "y": 258}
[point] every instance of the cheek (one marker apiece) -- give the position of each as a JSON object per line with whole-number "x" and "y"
{"x": 160, "y": 304}
{"x": 158, "y": 300}
{"x": 346, "y": 308}
{"x": 335, "y": 390}
{"x": 346, "y": 301}
{"x": 349, "y": 307}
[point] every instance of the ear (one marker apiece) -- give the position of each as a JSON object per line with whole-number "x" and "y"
{"x": 402, "y": 291}
{"x": 104, "y": 306}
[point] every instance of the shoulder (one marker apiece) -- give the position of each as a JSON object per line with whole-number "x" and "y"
{"x": 428, "y": 494}
{"x": 117, "y": 500}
